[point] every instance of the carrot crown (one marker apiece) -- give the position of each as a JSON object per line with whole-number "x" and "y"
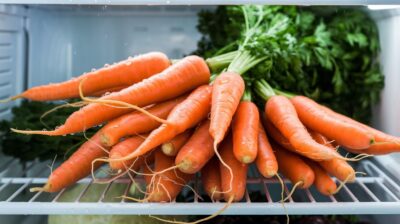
{"x": 265, "y": 91}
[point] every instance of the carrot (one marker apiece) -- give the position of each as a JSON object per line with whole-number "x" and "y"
{"x": 266, "y": 161}
{"x": 245, "y": 130}
{"x": 345, "y": 133}
{"x": 197, "y": 151}
{"x": 136, "y": 123}
{"x": 76, "y": 167}
{"x": 293, "y": 167}
{"x": 124, "y": 148}
{"x": 277, "y": 135}
{"x": 184, "y": 116}
{"x": 171, "y": 148}
{"x": 124, "y": 73}
{"x": 323, "y": 182}
{"x": 108, "y": 91}
{"x": 228, "y": 88}
{"x": 233, "y": 187}
{"x": 282, "y": 114}
{"x": 211, "y": 180}
{"x": 335, "y": 167}
{"x": 169, "y": 183}
{"x": 384, "y": 143}
{"x": 177, "y": 79}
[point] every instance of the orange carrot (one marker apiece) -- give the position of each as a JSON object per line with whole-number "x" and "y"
{"x": 184, "y": 116}
{"x": 108, "y": 91}
{"x": 124, "y": 73}
{"x": 171, "y": 148}
{"x": 211, "y": 179}
{"x": 167, "y": 184}
{"x": 227, "y": 91}
{"x": 266, "y": 161}
{"x": 345, "y": 133}
{"x": 323, "y": 182}
{"x": 124, "y": 148}
{"x": 239, "y": 169}
{"x": 277, "y": 135}
{"x": 197, "y": 150}
{"x": 136, "y": 123}
{"x": 384, "y": 143}
{"x": 76, "y": 167}
{"x": 335, "y": 167}
{"x": 282, "y": 114}
{"x": 177, "y": 79}
{"x": 293, "y": 167}
{"x": 245, "y": 130}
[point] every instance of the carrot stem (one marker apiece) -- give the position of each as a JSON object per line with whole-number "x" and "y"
{"x": 264, "y": 90}
{"x": 221, "y": 61}
{"x": 246, "y": 95}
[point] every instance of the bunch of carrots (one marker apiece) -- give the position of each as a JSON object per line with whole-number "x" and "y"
{"x": 168, "y": 121}
{"x": 171, "y": 122}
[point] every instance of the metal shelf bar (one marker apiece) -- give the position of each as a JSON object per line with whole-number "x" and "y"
{"x": 105, "y": 192}
{"x": 58, "y": 195}
{"x": 387, "y": 191}
{"x": 369, "y": 192}
{"x": 128, "y": 186}
{"x": 352, "y": 196}
{"x": 82, "y": 192}
{"x": 389, "y": 204}
{"x": 203, "y": 2}
{"x": 309, "y": 195}
{"x": 35, "y": 196}
{"x": 19, "y": 190}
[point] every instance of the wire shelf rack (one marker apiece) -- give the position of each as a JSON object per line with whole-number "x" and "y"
{"x": 375, "y": 193}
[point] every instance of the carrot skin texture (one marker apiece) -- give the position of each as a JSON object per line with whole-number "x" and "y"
{"x": 266, "y": 161}
{"x": 136, "y": 123}
{"x": 391, "y": 143}
{"x": 197, "y": 151}
{"x": 166, "y": 179}
{"x": 172, "y": 147}
{"x": 124, "y": 148}
{"x": 183, "y": 76}
{"x": 228, "y": 88}
{"x": 345, "y": 133}
{"x": 185, "y": 115}
{"x": 293, "y": 167}
{"x": 239, "y": 172}
{"x": 124, "y": 73}
{"x": 245, "y": 130}
{"x": 77, "y": 166}
{"x": 211, "y": 179}
{"x": 323, "y": 182}
{"x": 282, "y": 114}
{"x": 277, "y": 135}
{"x": 108, "y": 91}
{"x": 335, "y": 167}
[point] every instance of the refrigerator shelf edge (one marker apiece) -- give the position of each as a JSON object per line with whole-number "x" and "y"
{"x": 376, "y": 193}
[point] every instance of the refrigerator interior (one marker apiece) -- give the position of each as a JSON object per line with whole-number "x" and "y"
{"x": 42, "y": 44}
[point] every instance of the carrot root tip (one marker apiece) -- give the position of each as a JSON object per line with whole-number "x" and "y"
{"x": 167, "y": 148}
{"x": 11, "y": 98}
{"x": 185, "y": 165}
{"x": 29, "y": 132}
{"x": 45, "y": 188}
{"x": 247, "y": 159}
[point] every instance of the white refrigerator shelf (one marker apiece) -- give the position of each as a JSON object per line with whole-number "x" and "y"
{"x": 375, "y": 193}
